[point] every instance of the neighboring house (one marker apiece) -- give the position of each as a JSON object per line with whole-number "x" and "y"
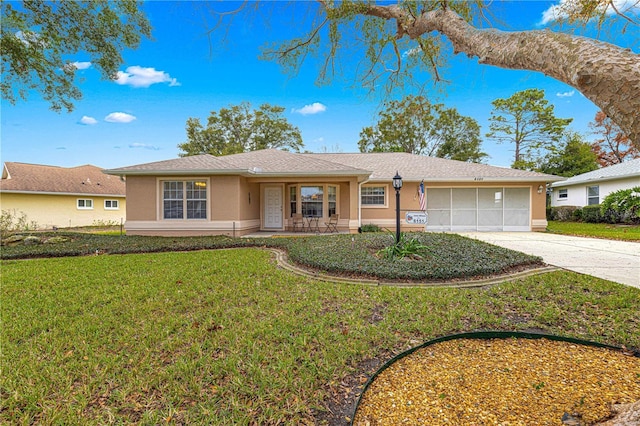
{"x": 262, "y": 190}
{"x": 62, "y": 197}
{"x": 592, "y": 187}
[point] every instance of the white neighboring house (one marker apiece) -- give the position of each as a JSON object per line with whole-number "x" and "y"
{"x": 592, "y": 187}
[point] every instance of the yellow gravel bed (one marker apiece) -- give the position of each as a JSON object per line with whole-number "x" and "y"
{"x": 501, "y": 382}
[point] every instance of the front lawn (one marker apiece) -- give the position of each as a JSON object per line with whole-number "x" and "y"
{"x": 447, "y": 256}
{"x": 226, "y": 337}
{"x": 596, "y": 230}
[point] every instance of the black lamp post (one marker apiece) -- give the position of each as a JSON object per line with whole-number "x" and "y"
{"x": 397, "y": 184}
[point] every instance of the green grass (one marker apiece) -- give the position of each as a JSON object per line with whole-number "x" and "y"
{"x": 226, "y": 337}
{"x": 596, "y": 230}
{"x": 447, "y": 256}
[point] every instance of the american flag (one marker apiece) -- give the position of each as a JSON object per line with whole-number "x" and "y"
{"x": 423, "y": 205}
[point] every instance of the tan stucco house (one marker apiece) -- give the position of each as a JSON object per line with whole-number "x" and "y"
{"x": 62, "y": 197}
{"x": 264, "y": 190}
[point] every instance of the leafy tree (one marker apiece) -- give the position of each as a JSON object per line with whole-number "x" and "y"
{"x": 38, "y": 37}
{"x": 400, "y": 42}
{"x": 239, "y": 129}
{"x": 416, "y": 126}
{"x": 527, "y": 120}
{"x": 460, "y": 136}
{"x": 613, "y": 146}
{"x": 574, "y": 157}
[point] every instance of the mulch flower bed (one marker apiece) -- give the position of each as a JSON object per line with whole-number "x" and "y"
{"x": 510, "y": 381}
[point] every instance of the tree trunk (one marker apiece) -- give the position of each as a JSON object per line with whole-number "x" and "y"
{"x": 606, "y": 74}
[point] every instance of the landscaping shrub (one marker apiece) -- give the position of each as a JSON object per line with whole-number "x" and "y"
{"x": 406, "y": 247}
{"x": 592, "y": 214}
{"x": 622, "y": 206}
{"x": 564, "y": 213}
{"x": 12, "y": 221}
{"x": 370, "y": 227}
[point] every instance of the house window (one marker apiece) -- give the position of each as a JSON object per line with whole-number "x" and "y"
{"x": 563, "y": 194}
{"x": 293, "y": 199}
{"x": 312, "y": 198}
{"x": 593, "y": 195}
{"x": 111, "y": 205}
{"x": 332, "y": 195}
{"x": 85, "y": 204}
{"x": 372, "y": 196}
{"x": 184, "y": 199}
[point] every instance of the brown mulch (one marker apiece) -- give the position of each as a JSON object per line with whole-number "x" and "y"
{"x": 502, "y": 382}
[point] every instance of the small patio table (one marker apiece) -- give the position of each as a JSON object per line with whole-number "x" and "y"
{"x": 313, "y": 224}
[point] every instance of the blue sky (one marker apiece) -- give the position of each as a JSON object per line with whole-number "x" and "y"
{"x": 141, "y": 117}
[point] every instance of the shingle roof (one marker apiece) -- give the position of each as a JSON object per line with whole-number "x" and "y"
{"x": 273, "y": 161}
{"x": 375, "y": 166}
{"x": 86, "y": 180}
{"x": 263, "y": 162}
{"x": 619, "y": 171}
{"x": 417, "y": 167}
{"x": 204, "y": 163}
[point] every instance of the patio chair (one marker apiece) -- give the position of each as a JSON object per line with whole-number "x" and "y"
{"x": 298, "y": 221}
{"x": 333, "y": 222}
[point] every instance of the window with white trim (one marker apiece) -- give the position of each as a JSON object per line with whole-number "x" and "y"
{"x": 593, "y": 195}
{"x": 111, "y": 205}
{"x": 332, "y": 193}
{"x": 85, "y": 204}
{"x": 184, "y": 199}
{"x": 372, "y": 196}
{"x": 293, "y": 199}
{"x": 563, "y": 194}
{"x": 312, "y": 198}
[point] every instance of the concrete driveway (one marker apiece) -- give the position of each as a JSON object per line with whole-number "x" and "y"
{"x": 617, "y": 261}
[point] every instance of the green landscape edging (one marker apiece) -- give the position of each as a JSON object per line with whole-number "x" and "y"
{"x": 480, "y": 335}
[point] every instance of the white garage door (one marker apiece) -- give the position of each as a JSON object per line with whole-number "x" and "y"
{"x": 478, "y": 209}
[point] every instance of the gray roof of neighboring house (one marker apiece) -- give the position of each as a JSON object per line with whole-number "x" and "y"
{"x": 623, "y": 170}
{"x": 81, "y": 180}
{"x": 374, "y": 166}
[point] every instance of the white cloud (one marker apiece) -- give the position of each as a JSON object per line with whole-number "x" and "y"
{"x": 566, "y": 94}
{"x": 81, "y": 65}
{"x": 313, "y": 108}
{"x": 29, "y": 38}
{"x": 411, "y": 52}
{"x": 119, "y": 117}
{"x": 143, "y": 146}
{"x": 88, "y": 120}
{"x": 144, "y": 77}
{"x": 559, "y": 11}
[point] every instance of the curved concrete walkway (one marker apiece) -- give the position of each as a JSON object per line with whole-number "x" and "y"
{"x": 617, "y": 261}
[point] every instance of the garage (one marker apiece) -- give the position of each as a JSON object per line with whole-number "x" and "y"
{"x": 479, "y": 209}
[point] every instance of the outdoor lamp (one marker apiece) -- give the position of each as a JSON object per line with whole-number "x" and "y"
{"x": 540, "y": 187}
{"x": 397, "y": 184}
{"x": 397, "y": 181}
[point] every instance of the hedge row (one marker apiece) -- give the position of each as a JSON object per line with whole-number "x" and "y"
{"x": 622, "y": 206}
{"x": 589, "y": 214}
